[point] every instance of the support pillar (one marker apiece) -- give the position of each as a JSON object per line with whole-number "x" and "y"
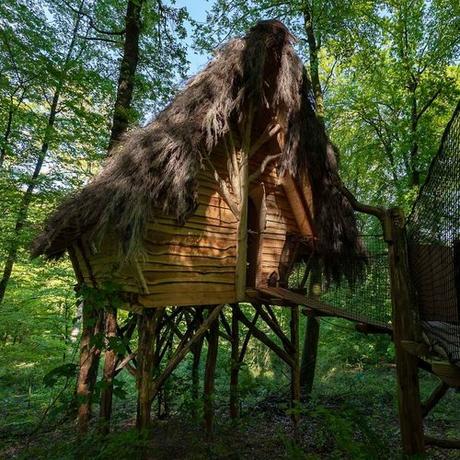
{"x": 211, "y": 360}
{"x": 309, "y": 354}
{"x": 147, "y": 329}
{"x": 310, "y": 344}
{"x": 295, "y": 369}
{"x": 405, "y": 327}
{"x": 110, "y": 361}
{"x": 196, "y": 349}
{"x": 89, "y": 364}
{"x": 235, "y": 365}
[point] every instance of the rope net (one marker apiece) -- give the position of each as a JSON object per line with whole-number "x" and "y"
{"x": 433, "y": 230}
{"x": 369, "y": 301}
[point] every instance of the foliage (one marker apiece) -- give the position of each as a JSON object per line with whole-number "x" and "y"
{"x": 389, "y": 75}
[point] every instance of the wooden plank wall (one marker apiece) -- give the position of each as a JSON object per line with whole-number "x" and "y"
{"x": 280, "y": 220}
{"x": 194, "y": 264}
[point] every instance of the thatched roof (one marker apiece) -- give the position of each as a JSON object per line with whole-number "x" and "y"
{"x": 156, "y": 166}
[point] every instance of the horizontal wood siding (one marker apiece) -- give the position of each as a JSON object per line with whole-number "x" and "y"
{"x": 194, "y": 264}
{"x": 280, "y": 221}
{"x": 191, "y": 264}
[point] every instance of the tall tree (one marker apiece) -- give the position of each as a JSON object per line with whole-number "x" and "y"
{"x": 74, "y": 139}
{"x": 45, "y": 143}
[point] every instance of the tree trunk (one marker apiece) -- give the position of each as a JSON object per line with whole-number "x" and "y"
{"x": 28, "y": 194}
{"x": 414, "y": 173}
{"x": 9, "y": 123}
{"x": 211, "y": 360}
{"x": 314, "y": 48}
{"x": 120, "y": 123}
{"x": 128, "y": 66}
{"x": 242, "y": 243}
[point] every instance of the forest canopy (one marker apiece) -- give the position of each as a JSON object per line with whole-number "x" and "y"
{"x": 77, "y": 75}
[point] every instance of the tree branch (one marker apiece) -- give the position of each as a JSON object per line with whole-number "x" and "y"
{"x": 223, "y": 189}
{"x": 428, "y": 103}
{"x": 256, "y": 174}
{"x": 268, "y": 134}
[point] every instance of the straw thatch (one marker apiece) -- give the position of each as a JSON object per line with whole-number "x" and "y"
{"x": 155, "y": 168}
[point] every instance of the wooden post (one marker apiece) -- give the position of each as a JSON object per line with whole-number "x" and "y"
{"x": 310, "y": 344}
{"x": 89, "y": 364}
{"x": 309, "y": 354}
{"x": 196, "y": 351}
{"x": 147, "y": 329}
{"x": 211, "y": 360}
{"x": 110, "y": 360}
{"x": 405, "y": 327}
{"x": 235, "y": 365}
{"x": 295, "y": 369}
{"x": 242, "y": 241}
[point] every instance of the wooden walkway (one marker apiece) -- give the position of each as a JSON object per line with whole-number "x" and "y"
{"x": 280, "y": 296}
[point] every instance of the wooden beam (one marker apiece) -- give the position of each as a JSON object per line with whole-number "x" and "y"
{"x": 295, "y": 368}
{"x": 110, "y": 364}
{"x": 182, "y": 351}
{"x": 247, "y": 337}
{"x": 89, "y": 364}
{"x": 434, "y": 398}
{"x": 147, "y": 330}
{"x": 210, "y": 371}
{"x": 275, "y": 327}
{"x": 258, "y": 334}
{"x": 405, "y": 327}
{"x": 234, "y": 364}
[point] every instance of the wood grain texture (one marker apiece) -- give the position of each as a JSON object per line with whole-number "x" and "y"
{"x": 194, "y": 263}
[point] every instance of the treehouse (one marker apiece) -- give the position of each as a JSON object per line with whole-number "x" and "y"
{"x": 215, "y": 201}
{"x": 223, "y": 191}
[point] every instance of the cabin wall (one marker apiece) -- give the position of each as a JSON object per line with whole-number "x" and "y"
{"x": 192, "y": 264}
{"x": 280, "y": 224}
{"x": 280, "y": 227}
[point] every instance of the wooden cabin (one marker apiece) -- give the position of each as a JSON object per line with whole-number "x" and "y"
{"x": 225, "y": 190}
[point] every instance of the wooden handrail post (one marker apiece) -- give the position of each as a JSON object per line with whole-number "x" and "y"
{"x": 405, "y": 327}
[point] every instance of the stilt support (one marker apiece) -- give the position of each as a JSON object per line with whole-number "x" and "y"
{"x": 234, "y": 365}
{"x": 147, "y": 329}
{"x": 110, "y": 362}
{"x": 211, "y": 360}
{"x": 405, "y": 327}
{"x": 89, "y": 363}
{"x": 295, "y": 369}
{"x": 309, "y": 354}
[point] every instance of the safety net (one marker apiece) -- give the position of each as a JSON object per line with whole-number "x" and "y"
{"x": 433, "y": 229}
{"x": 367, "y": 301}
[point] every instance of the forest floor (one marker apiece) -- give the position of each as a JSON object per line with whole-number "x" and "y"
{"x": 351, "y": 415}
